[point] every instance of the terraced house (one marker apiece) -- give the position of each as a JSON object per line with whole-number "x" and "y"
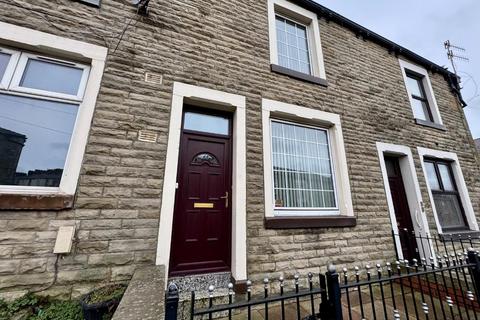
{"x": 217, "y": 138}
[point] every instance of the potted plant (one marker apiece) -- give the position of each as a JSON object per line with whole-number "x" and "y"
{"x": 102, "y": 302}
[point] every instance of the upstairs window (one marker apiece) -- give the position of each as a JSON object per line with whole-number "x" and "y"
{"x": 40, "y": 98}
{"x": 421, "y": 108}
{"x": 292, "y": 44}
{"x": 295, "y": 46}
{"x": 420, "y": 95}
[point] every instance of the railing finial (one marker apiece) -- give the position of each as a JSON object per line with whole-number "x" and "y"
{"x": 425, "y": 307}
{"x": 211, "y": 289}
{"x": 396, "y": 314}
{"x": 172, "y": 288}
{"x": 331, "y": 268}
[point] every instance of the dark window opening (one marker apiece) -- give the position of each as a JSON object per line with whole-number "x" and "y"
{"x": 450, "y": 212}
{"x": 420, "y": 105}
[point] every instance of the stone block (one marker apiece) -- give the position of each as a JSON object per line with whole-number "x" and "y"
{"x": 37, "y": 265}
{"x": 101, "y": 224}
{"x": 16, "y": 237}
{"x": 90, "y": 275}
{"x": 25, "y": 280}
{"x": 112, "y": 234}
{"x": 30, "y": 224}
{"x": 123, "y": 273}
{"x": 92, "y": 246}
{"x": 132, "y": 245}
{"x": 9, "y": 266}
{"x": 110, "y": 259}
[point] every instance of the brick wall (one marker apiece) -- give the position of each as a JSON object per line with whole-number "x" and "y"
{"x": 221, "y": 45}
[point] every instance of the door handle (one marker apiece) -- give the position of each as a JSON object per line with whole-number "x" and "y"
{"x": 226, "y": 199}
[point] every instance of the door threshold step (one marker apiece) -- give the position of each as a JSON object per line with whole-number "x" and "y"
{"x": 200, "y": 282}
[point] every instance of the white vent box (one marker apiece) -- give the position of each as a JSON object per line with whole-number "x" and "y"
{"x": 65, "y": 235}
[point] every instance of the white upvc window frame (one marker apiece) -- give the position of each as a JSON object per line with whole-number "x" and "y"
{"x": 21, "y": 68}
{"x": 459, "y": 180}
{"x": 275, "y": 110}
{"x": 299, "y": 15}
{"x": 288, "y": 211}
{"x": 12, "y": 63}
{"x": 427, "y": 85}
{"x": 95, "y": 56}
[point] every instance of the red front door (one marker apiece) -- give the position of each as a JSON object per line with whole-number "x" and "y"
{"x": 202, "y": 216}
{"x": 402, "y": 210}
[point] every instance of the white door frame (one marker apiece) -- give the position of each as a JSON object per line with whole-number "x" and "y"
{"x": 203, "y": 97}
{"x": 414, "y": 196}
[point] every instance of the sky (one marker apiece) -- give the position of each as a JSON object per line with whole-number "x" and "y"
{"x": 422, "y": 26}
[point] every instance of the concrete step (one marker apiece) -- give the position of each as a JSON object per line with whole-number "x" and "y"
{"x": 200, "y": 282}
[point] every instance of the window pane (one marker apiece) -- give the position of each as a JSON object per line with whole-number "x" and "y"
{"x": 432, "y": 176}
{"x": 283, "y": 61}
{"x": 291, "y": 27}
{"x": 4, "y": 59}
{"x": 206, "y": 123}
{"x": 48, "y": 76}
{"x": 414, "y": 86}
{"x": 281, "y": 36}
{"x": 446, "y": 178}
{"x": 292, "y": 44}
{"x": 449, "y": 211}
{"x": 34, "y": 140}
{"x": 419, "y": 109}
{"x": 302, "y": 170}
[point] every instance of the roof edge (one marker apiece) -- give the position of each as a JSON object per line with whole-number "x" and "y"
{"x": 391, "y": 46}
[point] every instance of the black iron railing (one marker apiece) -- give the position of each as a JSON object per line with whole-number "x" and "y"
{"x": 427, "y": 246}
{"x": 442, "y": 290}
{"x": 281, "y": 299}
{"x": 438, "y": 288}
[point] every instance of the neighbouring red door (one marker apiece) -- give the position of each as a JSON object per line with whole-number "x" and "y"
{"x": 402, "y": 210}
{"x": 201, "y": 234}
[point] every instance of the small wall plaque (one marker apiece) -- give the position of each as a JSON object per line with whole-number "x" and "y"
{"x": 203, "y": 205}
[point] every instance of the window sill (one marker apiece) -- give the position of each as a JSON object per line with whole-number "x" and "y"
{"x": 309, "y": 222}
{"x": 459, "y": 235}
{"x": 298, "y": 75}
{"x": 35, "y": 202}
{"x": 430, "y": 124}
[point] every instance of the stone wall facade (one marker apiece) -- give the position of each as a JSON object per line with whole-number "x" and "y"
{"x": 221, "y": 45}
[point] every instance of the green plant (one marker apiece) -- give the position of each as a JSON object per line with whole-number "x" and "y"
{"x": 24, "y": 303}
{"x": 59, "y": 310}
{"x": 28, "y": 300}
{"x": 32, "y": 307}
{"x": 105, "y": 294}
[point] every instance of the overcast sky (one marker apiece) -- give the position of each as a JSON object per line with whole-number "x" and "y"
{"x": 422, "y": 26}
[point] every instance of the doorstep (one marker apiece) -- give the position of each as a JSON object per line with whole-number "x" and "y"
{"x": 200, "y": 283}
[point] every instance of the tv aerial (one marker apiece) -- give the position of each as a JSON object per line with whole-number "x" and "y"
{"x": 452, "y": 54}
